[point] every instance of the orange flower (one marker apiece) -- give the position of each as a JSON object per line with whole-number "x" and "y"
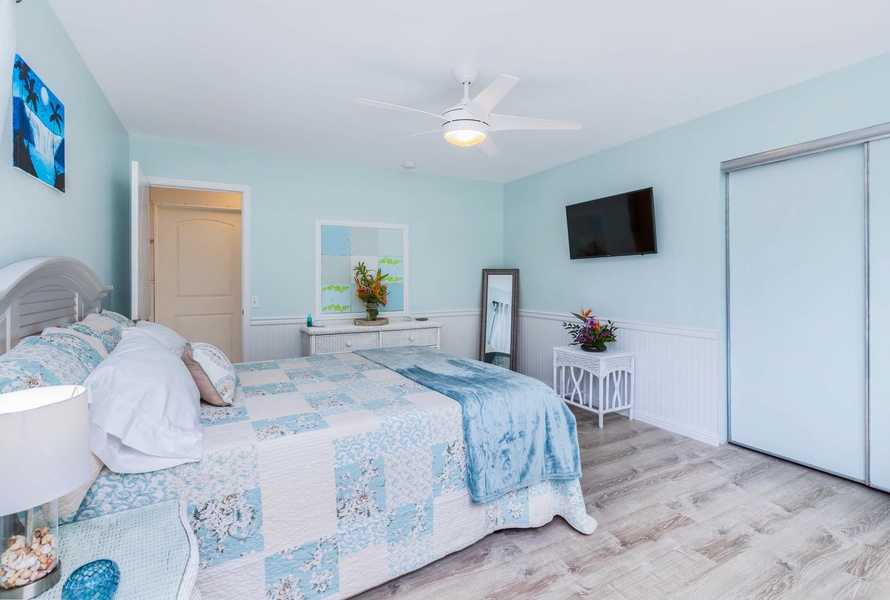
{"x": 586, "y": 313}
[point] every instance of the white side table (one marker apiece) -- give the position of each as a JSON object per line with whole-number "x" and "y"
{"x": 154, "y": 546}
{"x": 601, "y": 382}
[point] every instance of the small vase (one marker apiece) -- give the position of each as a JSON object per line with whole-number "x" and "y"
{"x": 592, "y": 348}
{"x": 372, "y": 311}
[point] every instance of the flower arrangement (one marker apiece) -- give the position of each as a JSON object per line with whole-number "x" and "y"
{"x": 591, "y": 333}
{"x": 371, "y": 289}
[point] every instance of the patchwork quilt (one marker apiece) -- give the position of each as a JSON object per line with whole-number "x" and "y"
{"x": 328, "y": 476}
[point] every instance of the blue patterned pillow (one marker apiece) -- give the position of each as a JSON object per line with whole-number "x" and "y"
{"x": 107, "y": 334}
{"x": 47, "y": 360}
{"x": 81, "y": 336}
{"x": 117, "y": 317}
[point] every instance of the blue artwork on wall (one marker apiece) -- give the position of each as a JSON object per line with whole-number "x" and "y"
{"x": 38, "y": 127}
{"x": 341, "y": 246}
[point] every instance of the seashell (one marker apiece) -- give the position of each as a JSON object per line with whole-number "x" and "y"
{"x": 25, "y": 573}
{"x": 44, "y": 530}
{"x": 46, "y": 549}
{"x": 17, "y": 542}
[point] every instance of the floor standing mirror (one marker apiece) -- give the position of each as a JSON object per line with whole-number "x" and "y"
{"x": 500, "y": 299}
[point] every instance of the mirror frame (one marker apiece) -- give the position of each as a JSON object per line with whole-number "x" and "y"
{"x": 514, "y": 313}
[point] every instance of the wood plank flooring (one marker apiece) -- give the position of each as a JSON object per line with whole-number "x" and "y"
{"x": 679, "y": 520}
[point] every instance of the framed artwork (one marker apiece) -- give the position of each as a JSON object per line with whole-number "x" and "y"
{"x": 38, "y": 127}
{"x": 340, "y": 246}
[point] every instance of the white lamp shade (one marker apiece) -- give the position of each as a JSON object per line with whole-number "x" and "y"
{"x": 7, "y": 57}
{"x": 45, "y": 445}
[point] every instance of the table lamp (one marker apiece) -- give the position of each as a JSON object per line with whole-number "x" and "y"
{"x": 45, "y": 450}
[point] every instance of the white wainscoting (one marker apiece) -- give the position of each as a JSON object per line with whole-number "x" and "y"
{"x": 273, "y": 338}
{"x": 677, "y": 370}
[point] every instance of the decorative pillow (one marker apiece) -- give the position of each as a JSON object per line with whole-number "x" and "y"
{"x": 103, "y": 329}
{"x": 103, "y": 323}
{"x": 95, "y": 342}
{"x": 171, "y": 340}
{"x": 145, "y": 412}
{"x": 47, "y": 360}
{"x": 117, "y": 318}
{"x": 212, "y": 371}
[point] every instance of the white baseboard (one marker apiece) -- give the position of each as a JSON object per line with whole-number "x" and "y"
{"x": 674, "y": 427}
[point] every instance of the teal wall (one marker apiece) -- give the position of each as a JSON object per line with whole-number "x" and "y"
{"x": 455, "y": 227}
{"x": 90, "y": 220}
{"x": 684, "y": 284}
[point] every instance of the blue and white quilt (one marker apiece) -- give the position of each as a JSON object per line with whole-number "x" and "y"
{"x": 328, "y": 476}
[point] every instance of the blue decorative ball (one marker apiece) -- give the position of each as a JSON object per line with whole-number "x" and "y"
{"x": 97, "y": 580}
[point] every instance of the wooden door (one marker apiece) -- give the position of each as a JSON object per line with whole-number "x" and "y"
{"x": 198, "y": 274}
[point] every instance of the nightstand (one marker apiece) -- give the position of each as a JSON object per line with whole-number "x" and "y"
{"x": 601, "y": 382}
{"x": 154, "y": 546}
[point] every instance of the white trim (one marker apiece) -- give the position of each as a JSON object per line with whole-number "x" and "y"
{"x": 317, "y": 291}
{"x": 244, "y": 190}
{"x": 301, "y": 319}
{"x": 708, "y": 334}
{"x": 675, "y": 427}
{"x": 475, "y": 312}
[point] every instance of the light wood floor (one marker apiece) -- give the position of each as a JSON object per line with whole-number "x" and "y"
{"x": 679, "y": 519}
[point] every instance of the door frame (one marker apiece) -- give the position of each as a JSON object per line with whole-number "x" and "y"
{"x": 244, "y": 190}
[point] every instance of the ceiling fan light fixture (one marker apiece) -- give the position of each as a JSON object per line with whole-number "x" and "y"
{"x": 465, "y": 133}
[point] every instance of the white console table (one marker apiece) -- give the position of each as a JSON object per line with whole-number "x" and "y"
{"x": 601, "y": 382}
{"x": 333, "y": 339}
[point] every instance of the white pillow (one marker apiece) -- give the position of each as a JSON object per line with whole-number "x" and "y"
{"x": 145, "y": 410}
{"x": 171, "y": 340}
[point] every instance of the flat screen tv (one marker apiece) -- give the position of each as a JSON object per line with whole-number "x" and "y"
{"x": 614, "y": 226}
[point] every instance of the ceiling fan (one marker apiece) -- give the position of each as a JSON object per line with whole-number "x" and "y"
{"x": 470, "y": 122}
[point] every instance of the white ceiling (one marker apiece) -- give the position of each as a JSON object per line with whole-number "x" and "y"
{"x": 280, "y": 76}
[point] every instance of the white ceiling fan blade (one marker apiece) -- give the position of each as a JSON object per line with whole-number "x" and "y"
{"x": 488, "y": 146}
{"x": 507, "y": 123}
{"x": 413, "y": 135}
{"x": 488, "y": 98}
{"x": 378, "y": 104}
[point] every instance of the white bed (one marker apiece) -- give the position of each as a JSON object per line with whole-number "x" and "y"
{"x": 328, "y": 476}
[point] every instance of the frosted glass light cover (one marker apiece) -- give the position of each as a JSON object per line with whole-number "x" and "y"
{"x": 46, "y": 432}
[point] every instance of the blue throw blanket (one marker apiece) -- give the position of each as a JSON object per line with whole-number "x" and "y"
{"x": 518, "y": 431}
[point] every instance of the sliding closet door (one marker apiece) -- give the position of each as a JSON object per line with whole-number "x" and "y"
{"x": 797, "y": 310}
{"x": 879, "y": 308}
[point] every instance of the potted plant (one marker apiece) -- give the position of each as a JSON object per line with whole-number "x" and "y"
{"x": 371, "y": 290}
{"x": 591, "y": 334}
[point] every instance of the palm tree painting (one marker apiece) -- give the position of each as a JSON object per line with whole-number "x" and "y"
{"x": 38, "y": 127}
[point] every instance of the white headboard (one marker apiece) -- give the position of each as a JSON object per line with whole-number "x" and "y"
{"x": 36, "y": 293}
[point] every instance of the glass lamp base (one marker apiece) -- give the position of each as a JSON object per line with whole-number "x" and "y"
{"x": 34, "y": 589}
